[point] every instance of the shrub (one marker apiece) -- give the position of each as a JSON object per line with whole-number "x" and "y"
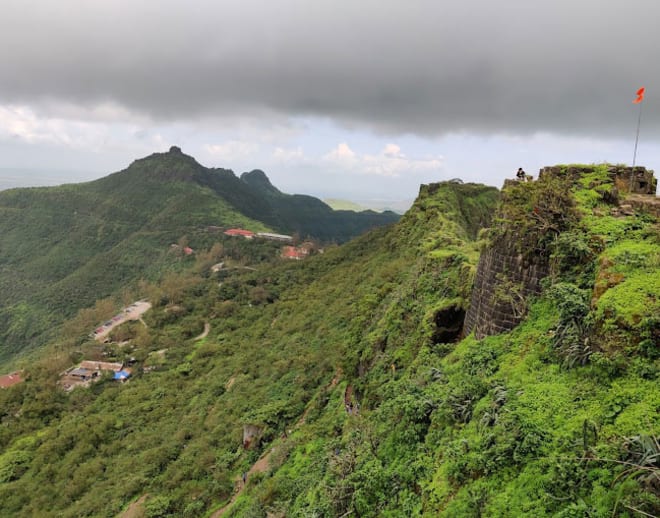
{"x": 157, "y": 506}
{"x": 13, "y": 464}
{"x": 571, "y": 341}
{"x": 630, "y": 302}
{"x": 535, "y": 213}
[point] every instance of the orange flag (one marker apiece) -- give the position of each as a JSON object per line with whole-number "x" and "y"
{"x": 640, "y": 95}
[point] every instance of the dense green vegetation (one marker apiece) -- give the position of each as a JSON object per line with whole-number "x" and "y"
{"x": 557, "y": 418}
{"x": 62, "y": 248}
{"x": 306, "y": 215}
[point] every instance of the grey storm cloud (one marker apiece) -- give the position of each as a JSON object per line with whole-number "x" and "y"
{"x": 425, "y": 67}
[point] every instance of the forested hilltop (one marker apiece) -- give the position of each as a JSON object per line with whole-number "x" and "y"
{"x": 343, "y": 385}
{"x": 63, "y": 248}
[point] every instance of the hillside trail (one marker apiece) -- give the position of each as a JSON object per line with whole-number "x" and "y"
{"x": 258, "y": 467}
{"x": 207, "y": 328}
{"x": 135, "y": 509}
{"x": 264, "y": 461}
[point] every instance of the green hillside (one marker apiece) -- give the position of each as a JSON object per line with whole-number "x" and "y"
{"x": 366, "y": 398}
{"x": 62, "y": 248}
{"x": 307, "y": 215}
{"x": 280, "y": 335}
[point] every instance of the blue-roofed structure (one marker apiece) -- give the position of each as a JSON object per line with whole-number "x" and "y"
{"x": 121, "y": 375}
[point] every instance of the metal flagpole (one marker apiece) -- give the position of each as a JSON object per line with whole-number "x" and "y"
{"x": 639, "y": 121}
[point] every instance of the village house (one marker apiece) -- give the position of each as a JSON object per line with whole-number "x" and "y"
{"x": 292, "y": 252}
{"x": 10, "y": 379}
{"x": 308, "y": 247}
{"x": 101, "y": 366}
{"x": 89, "y": 371}
{"x": 78, "y": 374}
{"x": 239, "y": 232}
{"x": 297, "y": 252}
{"x": 122, "y": 375}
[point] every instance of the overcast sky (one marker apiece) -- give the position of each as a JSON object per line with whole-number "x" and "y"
{"x": 353, "y": 98}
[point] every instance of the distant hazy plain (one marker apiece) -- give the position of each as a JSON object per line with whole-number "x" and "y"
{"x": 10, "y": 178}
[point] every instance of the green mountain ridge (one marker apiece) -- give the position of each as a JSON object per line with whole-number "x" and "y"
{"x": 62, "y": 248}
{"x": 352, "y": 371}
{"x": 254, "y": 196}
{"x": 258, "y": 179}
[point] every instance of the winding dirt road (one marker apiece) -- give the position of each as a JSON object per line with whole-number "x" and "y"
{"x": 132, "y": 312}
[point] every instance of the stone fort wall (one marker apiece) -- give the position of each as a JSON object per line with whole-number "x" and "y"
{"x": 506, "y": 279}
{"x": 504, "y": 282}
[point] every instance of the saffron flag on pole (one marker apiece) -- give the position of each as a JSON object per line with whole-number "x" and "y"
{"x": 640, "y": 96}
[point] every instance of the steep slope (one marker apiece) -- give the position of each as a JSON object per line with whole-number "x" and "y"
{"x": 558, "y": 417}
{"x": 278, "y": 338}
{"x": 62, "y": 248}
{"x": 364, "y": 399}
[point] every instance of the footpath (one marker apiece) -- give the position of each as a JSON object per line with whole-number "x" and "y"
{"x": 264, "y": 461}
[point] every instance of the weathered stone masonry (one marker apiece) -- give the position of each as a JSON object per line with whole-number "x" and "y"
{"x": 505, "y": 279}
{"x": 638, "y": 180}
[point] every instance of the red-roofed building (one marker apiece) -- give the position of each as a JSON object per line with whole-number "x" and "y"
{"x": 293, "y": 252}
{"x": 239, "y": 232}
{"x": 10, "y": 379}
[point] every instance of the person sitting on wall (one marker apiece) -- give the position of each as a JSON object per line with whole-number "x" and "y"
{"x": 520, "y": 174}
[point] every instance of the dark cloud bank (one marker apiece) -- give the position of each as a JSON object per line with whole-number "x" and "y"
{"x": 424, "y": 67}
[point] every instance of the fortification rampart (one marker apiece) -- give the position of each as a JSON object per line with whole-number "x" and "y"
{"x": 511, "y": 268}
{"x": 637, "y": 180}
{"x": 504, "y": 282}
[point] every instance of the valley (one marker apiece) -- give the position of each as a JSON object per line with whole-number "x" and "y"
{"x": 348, "y": 384}
{"x": 63, "y": 248}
